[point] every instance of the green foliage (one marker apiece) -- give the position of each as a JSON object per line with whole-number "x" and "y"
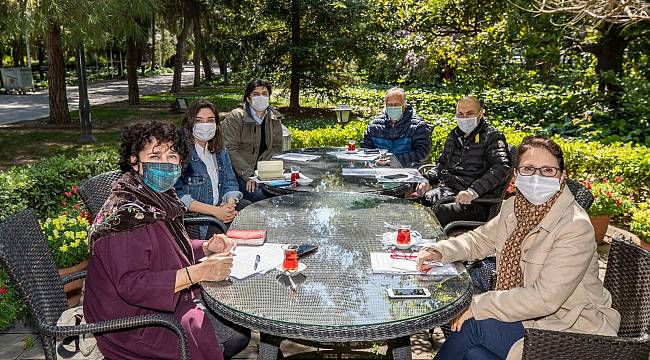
{"x": 640, "y": 224}
{"x": 610, "y": 197}
{"x": 41, "y": 186}
{"x": 11, "y": 305}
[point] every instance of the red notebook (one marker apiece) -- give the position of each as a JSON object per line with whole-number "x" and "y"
{"x": 247, "y": 237}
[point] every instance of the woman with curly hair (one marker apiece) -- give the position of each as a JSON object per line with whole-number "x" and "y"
{"x": 208, "y": 184}
{"x": 143, "y": 262}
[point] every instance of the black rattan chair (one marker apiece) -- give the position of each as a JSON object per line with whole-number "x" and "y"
{"x": 95, "y": 191}
{"x": 628, "y": 280}
{"x": 29, "y": 263}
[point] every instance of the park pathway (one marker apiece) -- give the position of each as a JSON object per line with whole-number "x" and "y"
{"x": 15, "y": 108}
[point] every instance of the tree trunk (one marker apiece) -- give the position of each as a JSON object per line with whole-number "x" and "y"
{"x": 223, "y": 69}
{"x": 181, "y": 41}
{"x": 609, "y": 52}
{"x": 120, "y": 69}
{"x": 197, "y": 51}
{"x": 153, "y": 41}
{"x": 41, "y": 60}
{"x": 133, "y": 53}
{"x": 205, "y": 59}
{"x": 294, "y": 87}
{"x": 58, "y": 99}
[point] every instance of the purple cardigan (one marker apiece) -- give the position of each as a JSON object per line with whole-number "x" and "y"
{"x": 134, "y": 273}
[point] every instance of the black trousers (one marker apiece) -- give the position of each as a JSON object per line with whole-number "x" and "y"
{"x": 454, "y": 211}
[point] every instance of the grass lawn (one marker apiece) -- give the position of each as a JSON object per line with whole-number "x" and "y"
{"x": 29, "y": 141}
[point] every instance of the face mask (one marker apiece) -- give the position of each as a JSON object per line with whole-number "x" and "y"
{"x": 537, "y": 189}
{"x": 159, "y": 176}
{"x": 260, "y": 103}
{"x": 204, "y": 131}
{"x": 466, "y": 125}
{"x": 394, "y": 112}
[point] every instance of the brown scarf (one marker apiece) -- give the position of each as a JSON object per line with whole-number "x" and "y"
{"x": 132, "y": 204}
{"x": 509, "y": 273}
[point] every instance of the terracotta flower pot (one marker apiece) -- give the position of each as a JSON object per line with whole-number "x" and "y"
{"x": 600, "y": 224}
{"x": 645, "y": 245}
{"x": 73, "y": 289}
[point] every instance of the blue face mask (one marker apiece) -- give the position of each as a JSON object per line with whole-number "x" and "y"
{"x": 394, "y": 112}
{"x": 159, "y": 176}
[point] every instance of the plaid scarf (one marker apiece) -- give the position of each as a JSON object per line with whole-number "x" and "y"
{"x": 509, "y": 272}
{"x": 132, "y": 204}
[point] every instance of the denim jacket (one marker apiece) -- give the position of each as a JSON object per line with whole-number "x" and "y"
{"x": 195, "y": 183}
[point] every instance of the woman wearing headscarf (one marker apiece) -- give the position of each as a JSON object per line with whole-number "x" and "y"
{"x": 142, "y": 261}
{"x": 547, "y": 265}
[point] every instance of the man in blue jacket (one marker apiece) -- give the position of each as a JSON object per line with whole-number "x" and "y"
{"x": 400, "y": 131}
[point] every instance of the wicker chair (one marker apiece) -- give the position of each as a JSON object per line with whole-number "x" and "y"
{"x": 95, "y": 191}
{"x": 27, "y": 260}
{"x": 628, "y": 280}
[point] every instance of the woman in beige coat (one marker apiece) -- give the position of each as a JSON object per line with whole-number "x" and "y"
{"x": 547, "y": 265}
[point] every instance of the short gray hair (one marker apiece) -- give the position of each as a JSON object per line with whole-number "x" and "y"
{"x": 396, "y": 90}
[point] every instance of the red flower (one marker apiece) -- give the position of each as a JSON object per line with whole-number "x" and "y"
{"x": 3, "y": 290}
{"x": 618, "y": 202}
{"x": 618, "y": 179}
{"x": 67, "y": 194}
{"x": 64, "y": 203}
{"x": 609, "y": 194}
{"x": 77, "y": 206}
{"x": 75, "y": 189}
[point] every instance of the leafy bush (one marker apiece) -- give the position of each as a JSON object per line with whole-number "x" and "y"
{"x": 640, "y": 224}
{"x": 41, "y": 186}
{"x": 610, "y": 198}
{"x": 67, "y": 239}
{"x": 584, "y": 159}
{"x": 11, "y": 306}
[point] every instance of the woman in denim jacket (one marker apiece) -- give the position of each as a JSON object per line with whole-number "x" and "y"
{"x": 208, "y": 184}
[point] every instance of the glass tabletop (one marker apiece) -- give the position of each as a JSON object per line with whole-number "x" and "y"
{"x": 338, "y": 287}
{"x": 326, "y": 172}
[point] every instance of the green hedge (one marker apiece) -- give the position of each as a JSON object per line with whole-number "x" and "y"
{"x": 583, "y": 158}
{"x": 41, "y": 186}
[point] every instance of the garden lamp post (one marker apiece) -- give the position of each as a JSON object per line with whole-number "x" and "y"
{"x": 158, "y": 39}
{"x": 343, "y": 114}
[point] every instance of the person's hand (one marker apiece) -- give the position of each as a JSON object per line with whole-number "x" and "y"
{"x": 225, "y": 213}
{"x": 427, "y": 255}
{"x": 457, "y": 324}
{"x": 466, "y": 197}
{"x": 216, "y": 267}
{"x": 251, "y": 185}
{"x": 422, "y": 189}
{"x": 219, "y": 244}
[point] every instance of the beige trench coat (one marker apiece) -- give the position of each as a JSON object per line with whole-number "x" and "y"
{"x": 561, "y": 291}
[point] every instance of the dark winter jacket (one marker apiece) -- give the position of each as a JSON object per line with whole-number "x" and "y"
{"x": 409, "y": 139}
{"x": 480, "y": 161}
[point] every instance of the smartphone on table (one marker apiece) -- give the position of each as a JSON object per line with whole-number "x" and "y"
{"x": 305, "y": 249}
{"x": 408, "y": 293}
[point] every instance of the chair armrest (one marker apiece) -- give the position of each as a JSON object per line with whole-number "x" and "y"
{"x": 461, "y": 224}
{"x": 562, "y": 345}
{"x": 121, "y": 324}
{"x": 74, "y": 276}
{"x": 200, "y": 219}
{"x": 487, "y": 200}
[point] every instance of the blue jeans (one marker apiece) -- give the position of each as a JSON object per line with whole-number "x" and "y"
{"x": 255, "y": 196}
{"x": 481, "y": 340}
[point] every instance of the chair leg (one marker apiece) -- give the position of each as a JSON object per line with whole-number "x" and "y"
{"x": 49, "y": 347}
{"x": 400, "y": 348}
{"x": 269, "y": 347}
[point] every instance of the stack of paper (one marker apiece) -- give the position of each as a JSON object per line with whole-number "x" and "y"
{"x": 296, "y": 157}
{"x": 382, "y": 263}
{"x": 354, "y": 156}
{"x": 243, "y": 264}
{"x": 269, "y": 170}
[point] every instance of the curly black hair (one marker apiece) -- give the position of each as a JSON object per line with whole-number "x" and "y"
{"x": 250, "y": 87}
{"x": 136, "y": 136}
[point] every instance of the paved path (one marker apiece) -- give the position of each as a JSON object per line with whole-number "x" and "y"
{"x": 14, "y": 108}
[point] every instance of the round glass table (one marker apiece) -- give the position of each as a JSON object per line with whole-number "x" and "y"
{"x": 337, "y": 297}
{"x": 326, "y": 173}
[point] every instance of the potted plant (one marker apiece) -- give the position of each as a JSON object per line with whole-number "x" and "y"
{"x": 12, "y": 307}
{"x": 640, "y": 224}
{"x": 610, "y": 200}
{"x": 67, "y": 240}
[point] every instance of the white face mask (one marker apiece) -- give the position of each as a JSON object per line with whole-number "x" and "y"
{"x": 260, "y": 103}
{"x": 466, "y": 125}
{"x": 204, "y": 131}
{"x": 537, "y": 189}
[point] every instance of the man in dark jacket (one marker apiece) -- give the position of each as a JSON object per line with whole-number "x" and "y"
{"x": 400, "y": 131}
{"x": 475, "y": 162}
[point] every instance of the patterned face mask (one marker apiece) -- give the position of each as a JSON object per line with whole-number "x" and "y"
{"x": 160, "y": 176}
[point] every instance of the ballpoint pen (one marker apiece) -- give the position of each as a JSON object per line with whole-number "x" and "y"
{"x": 257, "y": 261}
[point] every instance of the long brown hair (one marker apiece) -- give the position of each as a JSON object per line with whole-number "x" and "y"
{"x": 216, "y": 143}
{"x": 541, "y": 142}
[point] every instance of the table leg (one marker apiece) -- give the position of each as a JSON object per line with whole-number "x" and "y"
{"x": 401, "y": 348}
{"x": 269, "y": 347}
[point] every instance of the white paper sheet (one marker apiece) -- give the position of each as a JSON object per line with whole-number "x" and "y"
{"x": 243, "y": 261}
{"x": 296, "y": 157}
{"x": 358, "y": 172}
{"x": 412, "y": 175}
{"x": 355, "y": 156}
{"x": 383, "y": 264}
